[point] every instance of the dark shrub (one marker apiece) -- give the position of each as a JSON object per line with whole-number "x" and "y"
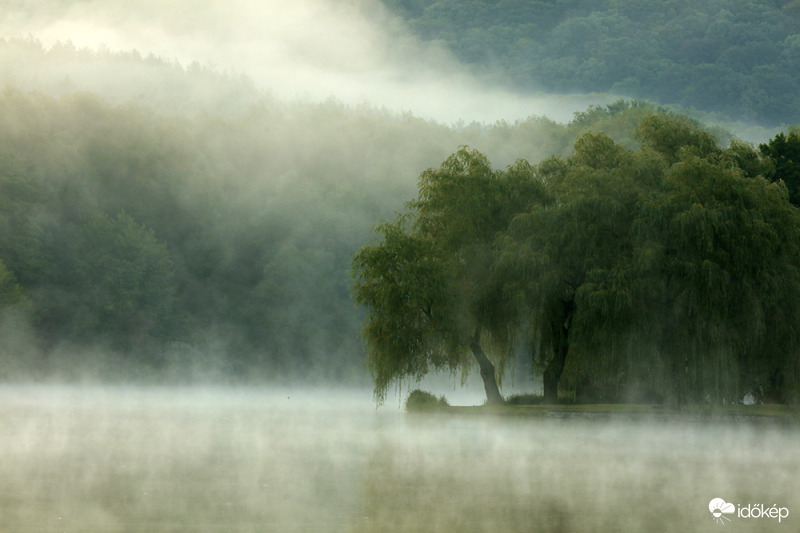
{"x": 524, "y": 399}
{"x": 421, "y": 401}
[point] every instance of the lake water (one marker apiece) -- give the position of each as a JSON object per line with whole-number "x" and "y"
{"x": 154, "y": 460}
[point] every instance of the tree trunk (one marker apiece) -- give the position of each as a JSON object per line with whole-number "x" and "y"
{"x": 552, "y": 373}
{"x": 493, "y": 396}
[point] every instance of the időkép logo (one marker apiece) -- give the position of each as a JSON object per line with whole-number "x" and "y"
{"x": 722, "y": 510}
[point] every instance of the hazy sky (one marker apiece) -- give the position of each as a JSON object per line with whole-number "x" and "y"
{"x": 349, "y": 49}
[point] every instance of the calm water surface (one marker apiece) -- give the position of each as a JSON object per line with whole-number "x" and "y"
{"x": 207, "y": 460}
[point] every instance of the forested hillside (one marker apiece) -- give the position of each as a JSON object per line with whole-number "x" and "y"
{"x": 198, "y": 238}
{"x": 193, "y": 227}
{"x": 736, "y": 57}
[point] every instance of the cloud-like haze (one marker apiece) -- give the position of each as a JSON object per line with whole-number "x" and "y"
{"x": 352, "y": 50}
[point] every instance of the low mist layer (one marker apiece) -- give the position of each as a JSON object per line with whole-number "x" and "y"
{"x": 312, "y": 49}
{"x": 736, "y": 57}
{"x": 200, "y": 460}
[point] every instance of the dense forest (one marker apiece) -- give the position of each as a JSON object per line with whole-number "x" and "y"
{"x": 740, "y": 58}
{"x": 191, "y": 238}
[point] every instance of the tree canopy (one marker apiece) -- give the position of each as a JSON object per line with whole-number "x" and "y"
{"x": 784, "y": 151}
{"x": 663, "y": 269}
{"x": 736, "y": 57}
{"x": 427, "y": 284}
{"x": 665, "y": 272}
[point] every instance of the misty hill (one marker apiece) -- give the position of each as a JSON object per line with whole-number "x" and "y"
{"x": 125, "y": 77}
{"x": 736, "y": 57}
{"x": 194, "y": 226}
{"x": 200, "y": 238}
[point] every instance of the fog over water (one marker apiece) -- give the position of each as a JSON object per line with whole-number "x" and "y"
{"x": 100, "y": 459}
{"x": 311, "y": 49}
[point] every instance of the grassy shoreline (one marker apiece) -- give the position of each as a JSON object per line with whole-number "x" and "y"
{"x": 762, "y": 413}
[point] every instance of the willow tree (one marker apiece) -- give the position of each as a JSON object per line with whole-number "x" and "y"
{"x": 724, "y": 244}
{"x": 569, "y": 261}
{"x": 674, "y": 266}
{"x": 784, "y": 151}
{"x": 432, "y": 301}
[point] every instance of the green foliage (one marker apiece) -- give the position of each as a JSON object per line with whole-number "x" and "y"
{"x": 784, "y": 151}
{"x": 675, "y": 137}
{"x": 674, "y": 264}
{"x": 736, "y": 57}
{"x": 667, "y": 270}
{"x": 427, "y": 285}
{"x": 404, "y": 282}
{"x": 728, "y": 261}
{"x": 10, "y": 292}
{"x": 525, "y": 399}
{"x": 122, "y": 285}
{"x": 420, "y": 401}
{"x": 567, "y": 260}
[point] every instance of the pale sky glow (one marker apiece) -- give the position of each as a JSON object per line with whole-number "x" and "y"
{"x": 348, "y": 49}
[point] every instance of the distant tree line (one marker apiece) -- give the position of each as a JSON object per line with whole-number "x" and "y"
{"x": 736, "y": 57}
{"x": 668, "y": 272}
